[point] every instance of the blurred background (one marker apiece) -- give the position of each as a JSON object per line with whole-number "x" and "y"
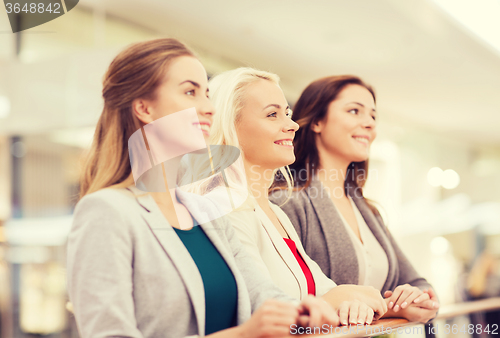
{"x": 434, "y": 169}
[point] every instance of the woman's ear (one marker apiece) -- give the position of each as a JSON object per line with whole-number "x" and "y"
{"x": 317, "y": 127}
{"x": 141, "y": 108}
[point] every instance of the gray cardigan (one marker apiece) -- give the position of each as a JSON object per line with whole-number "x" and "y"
{"x": 129, "y": 274}
{"x": 327, "y": 242}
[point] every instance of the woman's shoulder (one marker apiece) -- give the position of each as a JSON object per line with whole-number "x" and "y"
{"x": 108, "y": 198}
{"x": 245, "y": 220}
{"x": 286, "y": 198}
{"x": 115, "y": 207}
{"x": 243, "y": 215}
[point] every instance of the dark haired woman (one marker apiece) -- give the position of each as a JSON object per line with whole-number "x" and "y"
{"x": 339, "y": 229}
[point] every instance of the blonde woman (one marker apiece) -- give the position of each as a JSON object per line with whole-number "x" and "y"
{"x": 253, "y": 115}
{"x": 138, "y": 266}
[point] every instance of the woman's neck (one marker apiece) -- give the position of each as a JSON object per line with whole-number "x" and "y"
{"x": 332, "y": 172}
{"x": 168, "y": 198}
{"x": 259, "y": 180}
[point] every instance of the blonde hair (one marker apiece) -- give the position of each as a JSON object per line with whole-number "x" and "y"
{"x": 227, "y": 93}
{"x": 136, "y": 72}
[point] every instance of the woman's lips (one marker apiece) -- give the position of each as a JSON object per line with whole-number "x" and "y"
{"x": 285, "y": 143}
{"x": 204, "y": 127}
{"x": 362, "y": 139}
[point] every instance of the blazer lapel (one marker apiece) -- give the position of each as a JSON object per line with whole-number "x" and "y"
{"x": 176, "y": 251}
{"x": 282, "y": 248}
{"x": 342, "y": 261}
{"x": 380, "y": 235}
{"x": 244, "y": 307}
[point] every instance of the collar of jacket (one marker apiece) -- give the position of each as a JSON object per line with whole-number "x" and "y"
{"x": 206, "y": 214}
{"x": 327, "y": 214}
{"x": 281, "y": 246}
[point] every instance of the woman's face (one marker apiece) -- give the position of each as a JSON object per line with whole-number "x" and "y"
{"x": 185, "y": 86}
{"x": 265, "y": 128}
{"x": 349, "y": 127}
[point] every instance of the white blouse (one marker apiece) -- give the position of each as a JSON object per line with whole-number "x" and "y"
{"x": 263, "y": 242}
{"x": 372, "y": 259}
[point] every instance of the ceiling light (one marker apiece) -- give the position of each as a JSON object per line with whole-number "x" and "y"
{"x": 4, "y": 107}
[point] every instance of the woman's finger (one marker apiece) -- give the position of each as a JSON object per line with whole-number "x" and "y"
{"x": 429, "y": 304}
{"x": 411, "y": 297}
{"x": 314, "y": 316}
{"x": 395, "y": 295}
{"x": 303, "y": 321}
{"x": 329, "y": 314}
{"x": 369, "y": 316}
{"x": 383, "y": 307}
{"x": 344, "y": 313}
{"x": 353, "y": 312}
{"x": 319, "y": 311}
{"x": 432, "y": 294}
{"x": 402, "y": 298}
{"x": 422, "y": 297}
{"x": 362, "y": 313}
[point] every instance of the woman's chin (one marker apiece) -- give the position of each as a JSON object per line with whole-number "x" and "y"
{"x": 285, "y": 162}
{"x": 360, "y": 158}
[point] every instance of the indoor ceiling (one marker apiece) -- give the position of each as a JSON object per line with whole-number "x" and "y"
{"x": 428, "y": 71}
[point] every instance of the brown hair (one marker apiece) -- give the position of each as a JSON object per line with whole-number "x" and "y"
{"x": 311, "y": 108}
{"x": 136, "y": 72}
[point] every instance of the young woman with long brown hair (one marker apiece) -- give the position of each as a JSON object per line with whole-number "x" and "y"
{"x": 338, "y": 227}
{"x": 138, "y": 266}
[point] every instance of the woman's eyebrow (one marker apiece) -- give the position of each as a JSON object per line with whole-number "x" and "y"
{"x": 362, "y": 105}
{"x": 277, "y": 106}
{"x": 196, "y": 84}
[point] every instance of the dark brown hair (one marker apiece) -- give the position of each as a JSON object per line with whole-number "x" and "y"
{"x": 134, "y": 73}
{"x": 311, "y": 108}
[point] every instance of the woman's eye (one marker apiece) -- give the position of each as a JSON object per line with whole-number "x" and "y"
{"x": 353, "y": 111}
{"x": 289, "y": 112}
{"x": 191, "y": 92}
{"x": 272, "y": 114}
{"x": 374, "y": 118}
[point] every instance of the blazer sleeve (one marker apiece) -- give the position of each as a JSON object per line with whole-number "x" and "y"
{"x": 407, "y": 273}
{"x": 99, "y": 268}
{"x": 243, "y": 242}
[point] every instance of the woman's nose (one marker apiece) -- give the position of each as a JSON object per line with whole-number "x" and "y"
{"x": 206, "y": 108}
{"x": 369, "y": 122}
{"x": 291, "y": 126}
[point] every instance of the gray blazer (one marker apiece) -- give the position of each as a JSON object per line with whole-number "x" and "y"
{"x": 327, "y": 242}
{"x": 129, "y": 274}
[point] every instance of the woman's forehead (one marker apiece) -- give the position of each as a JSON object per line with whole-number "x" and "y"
{"x": 263, "y": 93}
{"x": 186, "y": 68}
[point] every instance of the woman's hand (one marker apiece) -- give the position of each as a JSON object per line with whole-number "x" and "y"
{"x": 355, "y": 312}
{"x": 403, "y": 296}
{"x": 422, "y": 312}
{"x": 314, "y": 312}
{"x": 365, "y": 294}
{"x": 272, "y": 319}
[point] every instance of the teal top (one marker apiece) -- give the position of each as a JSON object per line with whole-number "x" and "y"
{"x": 221, "y": 295}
